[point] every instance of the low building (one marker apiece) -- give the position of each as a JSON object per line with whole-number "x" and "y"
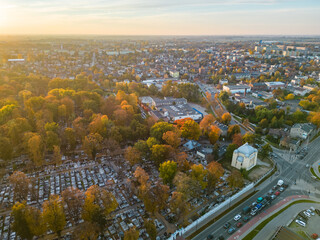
{"x": 167, "y": 101}
{"x": 275, "y": 85}
{"x": 244, "y": 157}
{"x": 303, "y": 130}
{"x": 260, "y": 86}
{"x": 237, "y": 88}
{"x": 299, "y": 91}
{"x": 177, "y": 112}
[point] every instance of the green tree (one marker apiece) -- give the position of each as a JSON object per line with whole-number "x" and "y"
{"x": 235, "y": 179}
{"x": 151, "y": 229}
{"x": 265, "y": 151}
{"x": 160, "y": 153}
{"x": 229, "y": 151}
{"x": 167, "y": 171}
{"x": 158, "y": 129}
{"x": 249, "y": 138}
{"x": 199, "y": 174}
{"x": 27, "y": 221}
{"x": 132, "y": 155}
{"x": 53, "y": 214}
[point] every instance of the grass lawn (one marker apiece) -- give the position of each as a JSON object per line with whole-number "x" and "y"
{"x": 313, "y": 173}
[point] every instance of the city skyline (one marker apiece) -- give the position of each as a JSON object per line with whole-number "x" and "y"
{"x": 216, "y": 17}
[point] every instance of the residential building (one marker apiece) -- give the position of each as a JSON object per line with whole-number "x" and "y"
{"x": 303, "y": 130}
{"x": 244, "y": 157}
{"x": 275, "y": 85}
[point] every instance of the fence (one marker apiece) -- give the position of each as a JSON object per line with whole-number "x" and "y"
{"x": 203, "y": 220}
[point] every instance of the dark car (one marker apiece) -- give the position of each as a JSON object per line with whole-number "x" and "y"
{"x": 221, "y": 237}
{"x": 231, "y": 230}
{"x": 210, "y": 236}
{"x": 227, "y": 225}
{"x": 246, "y": 218}
{"x": 239, "y": 225}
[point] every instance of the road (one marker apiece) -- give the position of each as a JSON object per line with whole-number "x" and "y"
{"x": 293, "y": 171}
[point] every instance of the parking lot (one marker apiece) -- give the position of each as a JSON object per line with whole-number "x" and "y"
{"x": 306, "y": 224}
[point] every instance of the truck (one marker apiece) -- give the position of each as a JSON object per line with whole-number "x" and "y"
{"x": 246, "y": 210}
{"x": 280, "y": 183}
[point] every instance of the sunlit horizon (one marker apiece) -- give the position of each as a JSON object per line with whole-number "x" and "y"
{"x": 141, "y": 17}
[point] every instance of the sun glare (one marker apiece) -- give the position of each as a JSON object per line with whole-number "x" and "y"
{"x": 2, "y": 16}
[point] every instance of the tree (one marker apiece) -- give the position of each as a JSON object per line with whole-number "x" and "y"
{"x": 57, "y": 155}
{"x": 229, "y": 151}
{"x": 142, "y": 178}
{"x": 233, "y": 129}
{"x": 132, "y": 155}
{"x": 158, "y": 129}
{"x": 53, "y": 214}
{"x": 206, "y": 123}
{"x": 131, "y": 234}
{"x": 226, "y": 118}
{"x": 151, "y": 229}
{"x": 289, "y": 96}
{"x": 265, "y": 151}
{"x": 186, "y": 185}
{"x": 235, "y": 179}
{"x": 70, "y": 141}
{"x": 27, "y": 221}
{"x": 6, "y": 149}
{"x": 86, "y": 231}
{"x": 214, "y": 134}
{"x": 183, "y": 163}
{"x": 92, "y": 144}
{"x": 160, "y": 153}
{"x": 264, "y": 123}
{"x": 172, "y": 138}
{"x": 179, "y": 205}
{"x": 167, "y": 171}
{"x": 249, "y": 138}
{"x": 36, "y": 149}
{"x": 315, "y": 119}
{"x": 237, "y": 139}
{"x": 73, "y": 200}
{"x": 199, "y": 174}
{"x": 98, "y": 204}
{"x": 189, "y": 128}
{"x": 52, "y": 139}
{"x": 20, "y": 183}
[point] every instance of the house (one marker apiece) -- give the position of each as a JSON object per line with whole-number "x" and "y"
{"x": 192, "y": 145}
{"x": 244, "y": 157}
{"x": 300, "y": 91}
{"x": 303, "y": 130}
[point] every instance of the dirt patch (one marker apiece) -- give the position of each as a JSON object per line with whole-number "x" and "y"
{"x": 258, "y": 172}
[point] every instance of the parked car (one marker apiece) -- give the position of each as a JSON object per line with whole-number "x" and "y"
{"x": 237, "y": 217}
{"x": 274, "y": 187}
{"x": 303, "y": 224}
{"x": 231, "y": 230}
{"x": 277, "y": 193}
{"x": 307, "y": 214}
{"x": 246, "y": 218}
{"x": 226, "y": 225}
{"x": 221, "y": 237}
{"x": 259, "y": 199}
{"x": 273, "y": 196}
{"x": 210, "y": 236}
{"x": 281, "y": 189}
{"x": 239, "y": 225}
{"x": 309, "y": 211}
{"x": 270, "y": 192}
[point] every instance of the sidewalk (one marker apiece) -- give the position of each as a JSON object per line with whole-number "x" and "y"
{"x": 254, "y": 222}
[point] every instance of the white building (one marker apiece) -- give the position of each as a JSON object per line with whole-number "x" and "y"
{"x": 275, "y": 85}
{"x": 237, "y": 88}
{"x": 244, "y": 157}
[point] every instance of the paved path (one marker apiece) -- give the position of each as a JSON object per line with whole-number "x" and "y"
{"x": 254, "y": 222}
{"x": 316, "y": 167}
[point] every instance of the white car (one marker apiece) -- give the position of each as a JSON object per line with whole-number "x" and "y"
{"x": 312, "y": 208}
{"x": 307, "y": 214}
{"x": 237, "y": 217}
{"x": 310, "y": 212}
{"x": 303, "y": 224}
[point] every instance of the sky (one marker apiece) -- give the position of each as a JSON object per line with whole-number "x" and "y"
{"x": 160, "y": 17}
